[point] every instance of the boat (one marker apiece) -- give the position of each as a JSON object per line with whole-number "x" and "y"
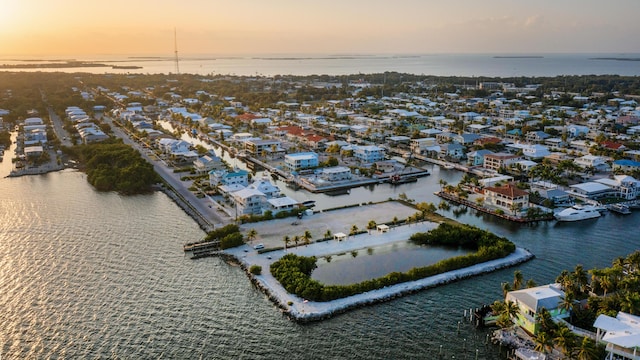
{"x": 620, "y": 209}
{"x": 309, "y": 203}
{"x": 448, "y": 166}
{"x": 399, "y": 179}
{"x": 634, "y": 204}
{"x": 578, "y": 212}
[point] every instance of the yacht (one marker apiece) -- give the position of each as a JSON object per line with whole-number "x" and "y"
{"x": 578, "y": 212}
{"x": 620, "y": 208}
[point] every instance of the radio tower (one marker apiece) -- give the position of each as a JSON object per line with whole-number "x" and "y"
{"x": 175, "y": 47}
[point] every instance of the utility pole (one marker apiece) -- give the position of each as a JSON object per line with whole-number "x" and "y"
{"x": 175, "y": 47}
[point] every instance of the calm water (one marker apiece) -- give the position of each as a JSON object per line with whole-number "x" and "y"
{"x": 92, "y": 275}
{"x": 374, "y": 262}
{"x": 420, "y": 64}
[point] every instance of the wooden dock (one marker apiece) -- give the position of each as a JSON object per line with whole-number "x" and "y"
{"x": 202, "y": 249}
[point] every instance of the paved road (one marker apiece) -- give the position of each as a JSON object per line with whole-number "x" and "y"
{"x": 206, "y": 208}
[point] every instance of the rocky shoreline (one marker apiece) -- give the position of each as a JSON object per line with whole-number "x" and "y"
{"x": 303, "y": 311}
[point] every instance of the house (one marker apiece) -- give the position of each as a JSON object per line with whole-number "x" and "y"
{"x": 591, "y": 190}
{"x": 369, "y": 153}
{"x": 551, "y": 192}
{"x": 262, "y": 147}
{"x": 574, "y": 130}
{"x": 535, "y": 151}
{"x": 423, "y": 146}
{"x": 537, "y": 137}
{"x": 476, "y": 158}
{"x": 207, "y": 163}
{"x": 507, "y": 198}
{"x": 500, "y": 160}
{"x": 626, "y": 165}
{"x": 336, "y": 173}
{"x": 91, "y": 134}
{"x": 626, "y": 187}
{"x": 620, "y": 334}
{"x": 531, "y": 301}
{"x": 300, "y": 161}
{"x": 248, "y": 201}
{"x": 588, "y": 161}
{"x": 33, "y": 151}
{"x": 280, "y": 204}
{"x": 451, "y": 151}
{"x": 226, "y": 178}
{"x": 266, "y": 187}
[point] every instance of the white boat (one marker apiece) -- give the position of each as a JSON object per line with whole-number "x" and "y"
{"x": 620, "y": 209}
{"x": 578, "y": 212}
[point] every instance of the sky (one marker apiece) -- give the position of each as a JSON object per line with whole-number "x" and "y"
{"x": 224, "y": 27}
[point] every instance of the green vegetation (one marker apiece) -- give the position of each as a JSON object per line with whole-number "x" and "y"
{"x": 114, "y": 166}
{"x": 5, "y": 139}
{"x": 255, "y": 269}
{"x": 294, "y": 272}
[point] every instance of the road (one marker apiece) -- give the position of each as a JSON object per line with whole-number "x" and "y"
{"x": 206, "y": 209}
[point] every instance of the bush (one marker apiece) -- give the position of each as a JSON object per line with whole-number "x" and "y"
{"x": 255, "y": 269}
{"x": 231, "y": 240}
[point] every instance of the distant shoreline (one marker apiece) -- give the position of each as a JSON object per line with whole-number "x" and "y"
{"x": 615, "y": 59}
{"x": 519, "y": 57}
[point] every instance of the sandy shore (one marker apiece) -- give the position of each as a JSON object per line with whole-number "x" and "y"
{"x": 302, "y": 310}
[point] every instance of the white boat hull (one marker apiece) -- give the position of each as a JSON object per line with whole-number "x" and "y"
{"x": 577, "y": 213}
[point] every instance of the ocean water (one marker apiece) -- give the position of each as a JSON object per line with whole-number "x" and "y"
{"x": 85, "y": 274}
{"x": 475, "y": 65}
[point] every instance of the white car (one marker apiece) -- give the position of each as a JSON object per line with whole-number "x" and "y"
{"x": 259, "y": 246}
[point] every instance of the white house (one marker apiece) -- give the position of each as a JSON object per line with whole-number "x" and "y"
{"x": 621, "y": 335}
{"x": 226, "y": 178}
{"x": 249, "y": 201}
{"x": 299, "y": 161}
{"x": 336, "y": 173}
{"x": 587, "y": 161}
{"x": 368, "y": 153}
{"x": 207, "y": 163}
{"x": 508, "y": 198}
{"x": 626, "y": 187}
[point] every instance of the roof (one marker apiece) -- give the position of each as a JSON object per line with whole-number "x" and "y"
{"x": 623, "y": 330}
{"x": 547, "y": 296}
{"x": 590, "y": 187}
{"x": 508, "y": 190}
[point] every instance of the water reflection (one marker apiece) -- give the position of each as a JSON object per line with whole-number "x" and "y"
{"x": 374, "y": 262}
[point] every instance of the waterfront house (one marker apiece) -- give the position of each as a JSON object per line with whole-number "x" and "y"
{"x": 620, "y": 334}
{"x": 248, "y": 201}
{"x": 626, "y": 187}
{"x": 300, "y": 161}
{"x": 262, "y": 147}
{"x": 591, "y": 190}
{"x": 423, "y": 146}
{"x": 265, "y": 186}
{"x": 530, "y": 303}
{"x": 280, "y": 204}
{"x": 33, "y": 151}
{"x": 537, "y": 137}
{"x": 451, "y": 151}
{"x": 91, "y": 134}
{"x": 368, "y": 154}
{"x": 476, "y": 158}
{"x": 508, "y": 198}
{"x": 207, "y": 163}
{"x": 226, "y": 178}
{"x": 500, "y": 160}
{"x": 336, "y": 173}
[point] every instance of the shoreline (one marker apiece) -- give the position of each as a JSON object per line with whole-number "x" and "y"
{"x": 300, "y": 310}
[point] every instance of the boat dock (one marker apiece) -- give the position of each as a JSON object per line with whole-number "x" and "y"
{"x": 202, "y": 249}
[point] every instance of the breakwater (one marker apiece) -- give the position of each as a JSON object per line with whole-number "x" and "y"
{"x": 302, "y": 311}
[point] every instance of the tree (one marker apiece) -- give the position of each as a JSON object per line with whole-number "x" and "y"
{"x": 543, "y": 342}
{"x": 587, "y": 350}
{"x": 443, "y": 205}
{"x": 328, "y": 234}
{"x": 306, "y": 237}
{"x": 371, "y": 225}
{"x": 518, "y": 280}
{"x": 354, "y": 229}
{"x": 252, "y": 234}
{"x": 506, "y": 287}
{"x": 580, "y": 279}
{"x": 287, "y": 241}
{"x": 296, "y": 240}
{"x": 565, "y": 339}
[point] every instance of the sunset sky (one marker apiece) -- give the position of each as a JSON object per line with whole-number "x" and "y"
{"x": 146, "y": 27}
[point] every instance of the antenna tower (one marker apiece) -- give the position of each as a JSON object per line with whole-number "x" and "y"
{"x": 175, "y": 47}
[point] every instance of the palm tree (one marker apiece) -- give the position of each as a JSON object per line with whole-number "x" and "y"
{"x": 546, "y": 321}
{"x": 443, "y": 205}
{"x": 543, "y": 342}
{"x": 531, "y": 283}
{"x": 587, "y": 349}
{"x": 354, "y": 229}
{"x": 580, "y": 279}
{"x": 306, "y": 237}
{"x": 564, "y": 338}
{"x": 442, "y": 183}
{"x": 510, "y": 309}
{"x": 517, "y": 279}
{"x": 630, "y": 302}
{"x": 328, "y": 234}
{"x": 296, "y": 240}
{"x": 252, "y": 234}
{"x": 287, "y": 241}
{"x": 567, "y": 303}
{"x": 506, "y": 287}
